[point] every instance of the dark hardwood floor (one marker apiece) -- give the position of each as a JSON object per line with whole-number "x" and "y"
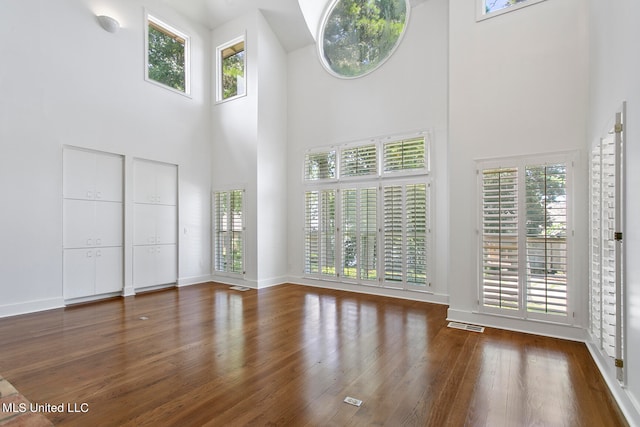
{"x": 289, "y": 355}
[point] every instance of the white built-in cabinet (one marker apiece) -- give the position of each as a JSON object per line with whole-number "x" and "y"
{"x": 155, "y": 221}
{"x": 92, "y": 223}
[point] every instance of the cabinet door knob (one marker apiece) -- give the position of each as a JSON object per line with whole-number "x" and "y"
{"x": 98, "y": 194}
{"x": 98, "y": 241}
{"x": 89, "y": 242}
{"x": 98, "y": 253}
{"x": 89, "y": 254}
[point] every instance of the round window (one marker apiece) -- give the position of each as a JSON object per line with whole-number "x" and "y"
{"x": 357, "y": 36}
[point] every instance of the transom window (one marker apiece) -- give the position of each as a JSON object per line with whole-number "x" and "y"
{"x": 525, "y": 237}
{"x": 357, "y": 36}
{"x": 490, "y": 8}
{"x": 167, "y": 59}
{"x": 365, "y": 223}
{"x": 231, "y": 66}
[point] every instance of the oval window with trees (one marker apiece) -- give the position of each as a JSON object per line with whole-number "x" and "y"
{"x": 357, "y": 36}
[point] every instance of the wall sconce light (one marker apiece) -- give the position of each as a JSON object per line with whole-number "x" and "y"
{"x": 108, "y": 23}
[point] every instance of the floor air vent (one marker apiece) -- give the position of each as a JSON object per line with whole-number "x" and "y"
{"x": 465, "y": 327}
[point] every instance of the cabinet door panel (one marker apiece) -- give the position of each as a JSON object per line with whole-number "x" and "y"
{"x": 78, "y": 223}
{"x": 166, "y": 264}
{"x": 78, "y": 273}
{"x": 109, "y": 270}
{"x": 144, "y": 185}
{"x": 108, "y": 224}
{"x": 144, "y": 264}
{"x": 167, "y": 184}
{"x": 109, "y": 177}
{"x": 79, "y": 173}
{"x": 166, "y": 224}
{"x": 144, "y": 224}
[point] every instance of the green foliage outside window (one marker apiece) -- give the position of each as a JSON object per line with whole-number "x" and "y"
{"x": 360, "y": 34}
{"x": 166, "y": 57}
{"x": 233, "y": 71}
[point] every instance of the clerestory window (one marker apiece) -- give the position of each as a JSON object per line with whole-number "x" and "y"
{"x": 167, "y": 56}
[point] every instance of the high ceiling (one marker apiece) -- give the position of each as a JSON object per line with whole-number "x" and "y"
{"x": 284, "y": 16}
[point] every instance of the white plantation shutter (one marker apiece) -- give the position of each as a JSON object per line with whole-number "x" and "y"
{"x": 320, "y": 165}
{"x": 416, "y": 235}
{"x": 228, "y": 231}
{"x": 350, "y": 233}
{"x": 220, "y": 230}
{"x": 312, "y": 232}
{"x": 368, "y": 234}
{"x": 595, "y": 250}
{"x": 405, "y": 234}
{"x": 236, "y": 228}
{"x": 404, "y": 155}
{"x": 607, "y": 294}
{"x": 393, "y": 233}
{"x": 500, "y": 285}
{"x": 359, "y": 161}
{"x": 359, "y": 233}
{"x": 320, "y": 232}
{"x": 546, "y": 243}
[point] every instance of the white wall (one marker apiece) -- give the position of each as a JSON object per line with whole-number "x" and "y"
{"x": 408, "y": 93}
{"x": 249, "y": 149}
{"x": 518, "y": 85}
{"x": 614, "y": 71}
{"x": 64, "y": 80}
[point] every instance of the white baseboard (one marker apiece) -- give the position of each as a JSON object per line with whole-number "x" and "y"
{"x": 547, "y": 329}
{"x": 31, "y": 307}
{"x": 628, "y": 405}
{"x": 371, "y": 290}
{"x": 195, "y": 280}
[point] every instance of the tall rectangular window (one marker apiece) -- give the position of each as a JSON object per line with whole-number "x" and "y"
{"x": 228, "y": 231}
{"x": 320, "y": 232}
{"x": 359, "y": 233}
{"x": 524, "y": 243}
{"x": 167, "y": 59}
{"x": 231, "y": 67}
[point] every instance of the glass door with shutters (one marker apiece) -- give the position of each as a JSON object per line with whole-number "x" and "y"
{"x": 524, "y": 238}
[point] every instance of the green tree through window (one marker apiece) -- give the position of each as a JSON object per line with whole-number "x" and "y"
{"x": 166, "y": 61}
{"x": 359, "y": 35}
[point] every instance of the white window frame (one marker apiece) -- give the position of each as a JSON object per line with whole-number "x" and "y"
{"x": 219, "y": 70}
{"x": 378, "y": 180}
{"x": 152, "y": 18}
{"x": 228, "y": 236}
{"x": 481, "y": 13}
{"x": 568, "y": 158}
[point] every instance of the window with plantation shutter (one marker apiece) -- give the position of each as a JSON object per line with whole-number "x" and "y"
{"x": 359, "y": 233}
{"x": 366, "y": 227}
{"x": 546, "y": 244}
{"x": 405, "y": 234}
{"x": 320, "y": 232}
{"x": 228, "y": 231}
{"x": 524, "y": 238}
{"x": 404, "y": 155}
{"x": 359, "y": 161}
{"x": 320, "y": 165}
{"x": 416, "y": 235}
{"x": 500, "y": 238}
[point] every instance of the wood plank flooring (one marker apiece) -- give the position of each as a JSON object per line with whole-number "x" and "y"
{"x": 289, "y": 355}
